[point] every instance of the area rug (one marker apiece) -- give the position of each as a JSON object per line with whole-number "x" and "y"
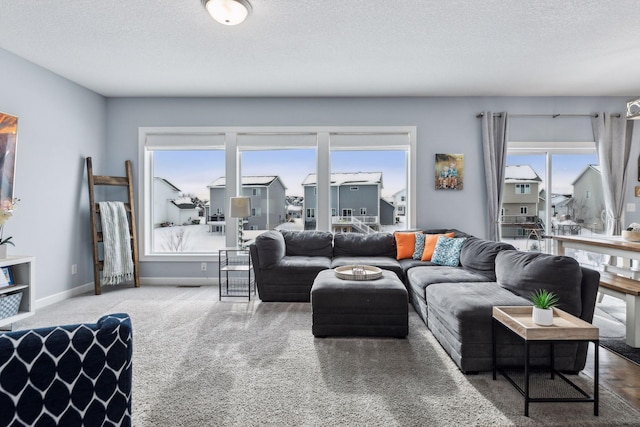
{"x": 610, "y": 318}
{"x": 202, "y": 362}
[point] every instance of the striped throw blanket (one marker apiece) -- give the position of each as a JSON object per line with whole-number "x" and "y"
{"x": 118, "y": 262}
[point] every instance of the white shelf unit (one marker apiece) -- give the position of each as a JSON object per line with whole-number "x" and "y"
{"x": 23, "y": 269}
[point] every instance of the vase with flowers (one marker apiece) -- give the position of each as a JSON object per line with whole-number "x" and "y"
{"x": 6, "y": 211}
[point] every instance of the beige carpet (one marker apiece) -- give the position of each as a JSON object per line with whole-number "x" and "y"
{"x": 202, "y": 362}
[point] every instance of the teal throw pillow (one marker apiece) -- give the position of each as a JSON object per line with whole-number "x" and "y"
{"x": 447, "y": 251}
{"x": 417, "y": 254}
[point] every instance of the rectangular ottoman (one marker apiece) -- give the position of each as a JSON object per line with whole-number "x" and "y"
{"x": 377, "y": 308}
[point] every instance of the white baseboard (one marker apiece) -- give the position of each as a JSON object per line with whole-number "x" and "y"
{"x": 153, "y": 281}
{"x": 178, "y": 281}
{"x": 61, "y": 296}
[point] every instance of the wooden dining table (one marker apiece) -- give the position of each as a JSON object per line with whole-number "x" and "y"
{"x": 624, "y": 263}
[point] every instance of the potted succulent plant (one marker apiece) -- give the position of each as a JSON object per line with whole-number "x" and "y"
{"x": 543, "y": 303}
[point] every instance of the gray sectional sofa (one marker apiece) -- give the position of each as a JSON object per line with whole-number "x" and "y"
{"x": 454, "y": 302}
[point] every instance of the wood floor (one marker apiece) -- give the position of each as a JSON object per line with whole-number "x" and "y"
{"x": 617, "y": 374}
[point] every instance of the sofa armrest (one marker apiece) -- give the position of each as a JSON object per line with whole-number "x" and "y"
{"x": 269, "y": 249}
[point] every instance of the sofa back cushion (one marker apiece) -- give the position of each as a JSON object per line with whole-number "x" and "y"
{"x": 525, "y": 272}
{"x": 308, "y": 243}
{"x": 479, "y": 255}
{"x": 271, "y": 248}
{"x": 356, "y": 244}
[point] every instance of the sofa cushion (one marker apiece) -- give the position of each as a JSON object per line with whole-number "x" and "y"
{"x": 308, "y": 243}
{"x": 356, "y": 244}
{"x": 479, "y": 255}
{"x": 447, "y": 251}
{"x": 271, "y": 248}
{"x": 421, "y": 277}
{"x": 524, "y": 272}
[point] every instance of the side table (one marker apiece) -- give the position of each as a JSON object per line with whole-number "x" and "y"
{"x": 235, "y": 276}
{"x": 565, "y": 328}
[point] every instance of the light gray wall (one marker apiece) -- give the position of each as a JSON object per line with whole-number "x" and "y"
{"x": 444, "y": 125}
{"x": 59, "y": 124}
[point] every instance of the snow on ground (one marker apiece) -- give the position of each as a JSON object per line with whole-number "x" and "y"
{"x": 198, "y": 238}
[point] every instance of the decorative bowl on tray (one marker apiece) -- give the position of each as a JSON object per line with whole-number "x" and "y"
{"x": 631, "y": 236}
{"x": 358, "y": 272}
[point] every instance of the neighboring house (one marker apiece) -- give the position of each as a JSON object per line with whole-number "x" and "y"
{"x": 587, "y": 205}
{"x": 169, "y": 207}
{"x": 268, "y": 201}
{"x": 520, "y": 200}
{"x": 400, "y": 202}
{"x": 356, "y": 202}
{"x": 387, "y": 212}
{"x": 560, "y": 204}
{"x": 184, "y": 210}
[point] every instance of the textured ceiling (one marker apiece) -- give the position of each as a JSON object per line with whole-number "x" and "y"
{"x": 333, "y": 47}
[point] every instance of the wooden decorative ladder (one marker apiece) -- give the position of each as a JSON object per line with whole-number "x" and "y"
{"x": 126, "y": 181}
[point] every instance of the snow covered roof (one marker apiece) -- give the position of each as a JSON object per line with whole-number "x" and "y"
{"x": 595, "y": 168}
{"x": 247, "y": 180}
{"x": 173, "y": 187}
{"x": 347, "y": 178}
{"x": 184, "y": 203}
{"x": 520, "y": 173}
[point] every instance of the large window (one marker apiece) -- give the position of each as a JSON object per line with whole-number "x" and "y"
{"x": 556, "y": 189}
{"x": 188, "y": 174}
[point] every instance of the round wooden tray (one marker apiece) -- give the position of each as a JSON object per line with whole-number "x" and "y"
{"x": 631, "y": 236}
{"x": 358, "y": 272}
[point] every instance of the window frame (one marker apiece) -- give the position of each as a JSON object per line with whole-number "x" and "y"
{"x": 548, "y": 149}
{"x": 327, "y": 138}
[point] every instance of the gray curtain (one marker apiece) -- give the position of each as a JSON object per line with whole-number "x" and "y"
{"x": 494, "y": 147}
{"x": 613, "y": 142}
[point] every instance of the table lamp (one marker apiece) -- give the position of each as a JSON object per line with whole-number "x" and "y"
{"x": 240, "y": 207}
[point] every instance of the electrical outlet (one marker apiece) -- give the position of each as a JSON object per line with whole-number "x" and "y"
{"x": 203, "y": 266}
{"x": 631, "y": 207}
{"x": 74, "y": 268}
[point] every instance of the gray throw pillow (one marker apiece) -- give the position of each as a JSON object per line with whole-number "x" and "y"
{"x": 525, "y": 272}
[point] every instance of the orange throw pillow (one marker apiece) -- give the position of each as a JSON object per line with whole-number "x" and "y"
{"x": 430, "y": 241}
{"x": 405, "y": 244}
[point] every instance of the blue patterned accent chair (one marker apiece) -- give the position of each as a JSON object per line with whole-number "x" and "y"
{"x": 68, "y": 375}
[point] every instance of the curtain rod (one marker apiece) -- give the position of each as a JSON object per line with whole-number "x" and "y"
{"x": 546, "y": 115}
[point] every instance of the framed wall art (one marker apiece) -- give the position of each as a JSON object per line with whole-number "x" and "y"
{"x": 8, "y": 143}
{"x": 449, "y": 171}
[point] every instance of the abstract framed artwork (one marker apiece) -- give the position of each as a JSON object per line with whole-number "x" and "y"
{"x": 8, "y": 144}
{"x": 449, "y": 171}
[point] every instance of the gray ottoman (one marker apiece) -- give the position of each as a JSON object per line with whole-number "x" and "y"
{"x": 377, "y": 308}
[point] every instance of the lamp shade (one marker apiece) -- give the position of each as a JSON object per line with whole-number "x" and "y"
{"x": 239, "y": 207}
{"x": 633, "y": 109}
{"x": 228, "y": 12}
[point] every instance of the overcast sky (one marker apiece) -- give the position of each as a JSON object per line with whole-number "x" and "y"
{"x": 192, "y": 171}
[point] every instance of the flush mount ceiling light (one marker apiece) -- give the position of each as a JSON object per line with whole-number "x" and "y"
{"x": 633, "y": 110}
{"x": 228, "y": 12}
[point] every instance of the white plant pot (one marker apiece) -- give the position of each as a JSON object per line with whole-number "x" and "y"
{"x": 543, "y": 316}
{"x": 3, "y": 251}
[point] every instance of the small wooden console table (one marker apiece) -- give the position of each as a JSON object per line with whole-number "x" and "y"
{"x": 565, "y": 328}
{"x": 619, "y": 280}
